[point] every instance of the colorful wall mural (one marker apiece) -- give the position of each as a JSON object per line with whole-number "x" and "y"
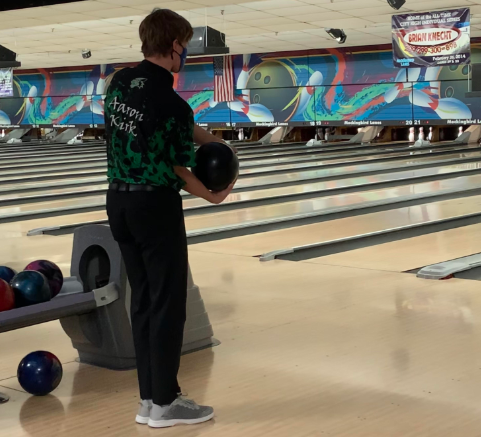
{"x": 311, "y": 88}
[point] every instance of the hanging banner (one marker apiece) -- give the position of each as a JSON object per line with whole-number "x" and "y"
{"x": 431, "y": 39}
{"x": 6, "y": 82}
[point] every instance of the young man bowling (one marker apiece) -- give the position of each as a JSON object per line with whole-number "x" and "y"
{"x": 150, "y": 143}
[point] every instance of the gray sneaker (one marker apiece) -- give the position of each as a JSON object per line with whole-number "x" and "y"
{"x": 143, "y": 414}
{"x": 181, "y": 411}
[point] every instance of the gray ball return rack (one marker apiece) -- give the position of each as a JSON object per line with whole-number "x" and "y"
{"x": 94, "y": 306}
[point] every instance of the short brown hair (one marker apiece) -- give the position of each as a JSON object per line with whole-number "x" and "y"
{"x": 160, "y": 29}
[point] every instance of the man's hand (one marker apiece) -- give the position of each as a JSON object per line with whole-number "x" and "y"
{"x": 220, "y": 196}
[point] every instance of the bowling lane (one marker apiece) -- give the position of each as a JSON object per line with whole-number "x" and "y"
{"x": 276, "y": 212}
{"x": 258, "y": 244}
{"x": 313, "y": 189}
{"x": 287, "y": 177}
{"x": 411, "y": 253}
{"x": 272, "y": 213}
{"x": 47, "y": 158}
{"x": 40, "y": 186}
{"x": 53, "y": 154}
{"x": 20, "y": 159}
{"x": 249, "y": 168}
{"x": 27, "y": 164}
{"x": 50, "y": 164}
{"x": 46, "y": 146}
{"x": 42, "y": 162}
{"x": 327, "y": 146}
{"x": 320, "y": 149}
{"x": 381, "y": 152}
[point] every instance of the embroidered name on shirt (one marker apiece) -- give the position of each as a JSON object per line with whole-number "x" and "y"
{"x": 116, "y": 120}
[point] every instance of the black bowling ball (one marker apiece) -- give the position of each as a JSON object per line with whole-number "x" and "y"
{"x": 217, "y": 166}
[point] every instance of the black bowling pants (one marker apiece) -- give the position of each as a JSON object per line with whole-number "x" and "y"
{"x": 150, "y": 230}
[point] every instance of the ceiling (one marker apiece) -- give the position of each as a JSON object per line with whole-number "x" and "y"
{"x": 53, "y": 36}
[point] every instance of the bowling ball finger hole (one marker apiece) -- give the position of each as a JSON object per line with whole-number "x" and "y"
{"x": 466, "y": 70}
{"x": 449, "y": 92}
{"x": 267, "y": 80}
{"x": 258, "y": 76}
{"x": 257, "y": 98}
{"x": 453, "y": 67}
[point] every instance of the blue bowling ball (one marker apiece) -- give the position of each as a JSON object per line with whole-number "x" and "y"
{"x": 30, "y": 288}
{"x": 7, "y": 274}
{"x": 40, "y": 373}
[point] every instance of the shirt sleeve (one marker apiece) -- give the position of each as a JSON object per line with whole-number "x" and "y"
{"x": 182, "y": 152}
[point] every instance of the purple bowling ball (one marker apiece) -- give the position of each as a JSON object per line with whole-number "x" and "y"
{"x": 51, "y": 271}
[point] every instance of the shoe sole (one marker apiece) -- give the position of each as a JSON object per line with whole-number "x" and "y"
{"x": 173, "y": 422}
{"x": 142, "y": 420}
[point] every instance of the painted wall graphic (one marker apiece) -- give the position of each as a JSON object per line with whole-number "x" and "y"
{"x": 307, "y": 88}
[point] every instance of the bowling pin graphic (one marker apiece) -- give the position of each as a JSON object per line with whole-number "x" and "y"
{"x": 432, "y": 74}
{"x": 450, "y": 108}
{"x": 411, "y": 135}
{"x": 400, "y": 85}
{"x": 414, "y": 74}
{"x": 4, "y": 119}
{"x": 86, "y": 95}
{"x": 244, "y": 77}
{"x": 430, "y": 134}
{"x": 255, "y": 112}
{"x": 244, "y": 74}
{"x": 212, "y": 103}
{"x": 97, "y": 107}
{"x": 460, "y": 131}
{"x": 101, "y": 83}
{"x": 30, "y": 101}
{"x": 419, "y": 98}
{"x": 308, "y": 91}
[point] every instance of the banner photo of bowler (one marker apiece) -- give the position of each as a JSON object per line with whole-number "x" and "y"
{"x": 431, "y": 39}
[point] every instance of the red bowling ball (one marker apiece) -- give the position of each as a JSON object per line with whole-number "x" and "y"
{"x": 7, "y": 296}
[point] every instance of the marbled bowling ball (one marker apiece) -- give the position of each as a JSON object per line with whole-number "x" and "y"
{"x": 40, "y": 373}
{"x": 14, "y": 106}
{"x": 273, "y": 85}
{"x": 51, "y": 271}
{"x": 6, "y": 273}
{"x": 30, "y": 288}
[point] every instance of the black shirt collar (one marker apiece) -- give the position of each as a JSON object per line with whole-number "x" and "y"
{"x": 164, "y": 76}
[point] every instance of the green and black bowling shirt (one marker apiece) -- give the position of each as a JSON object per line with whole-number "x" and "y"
{"x": 149, "y": 128}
